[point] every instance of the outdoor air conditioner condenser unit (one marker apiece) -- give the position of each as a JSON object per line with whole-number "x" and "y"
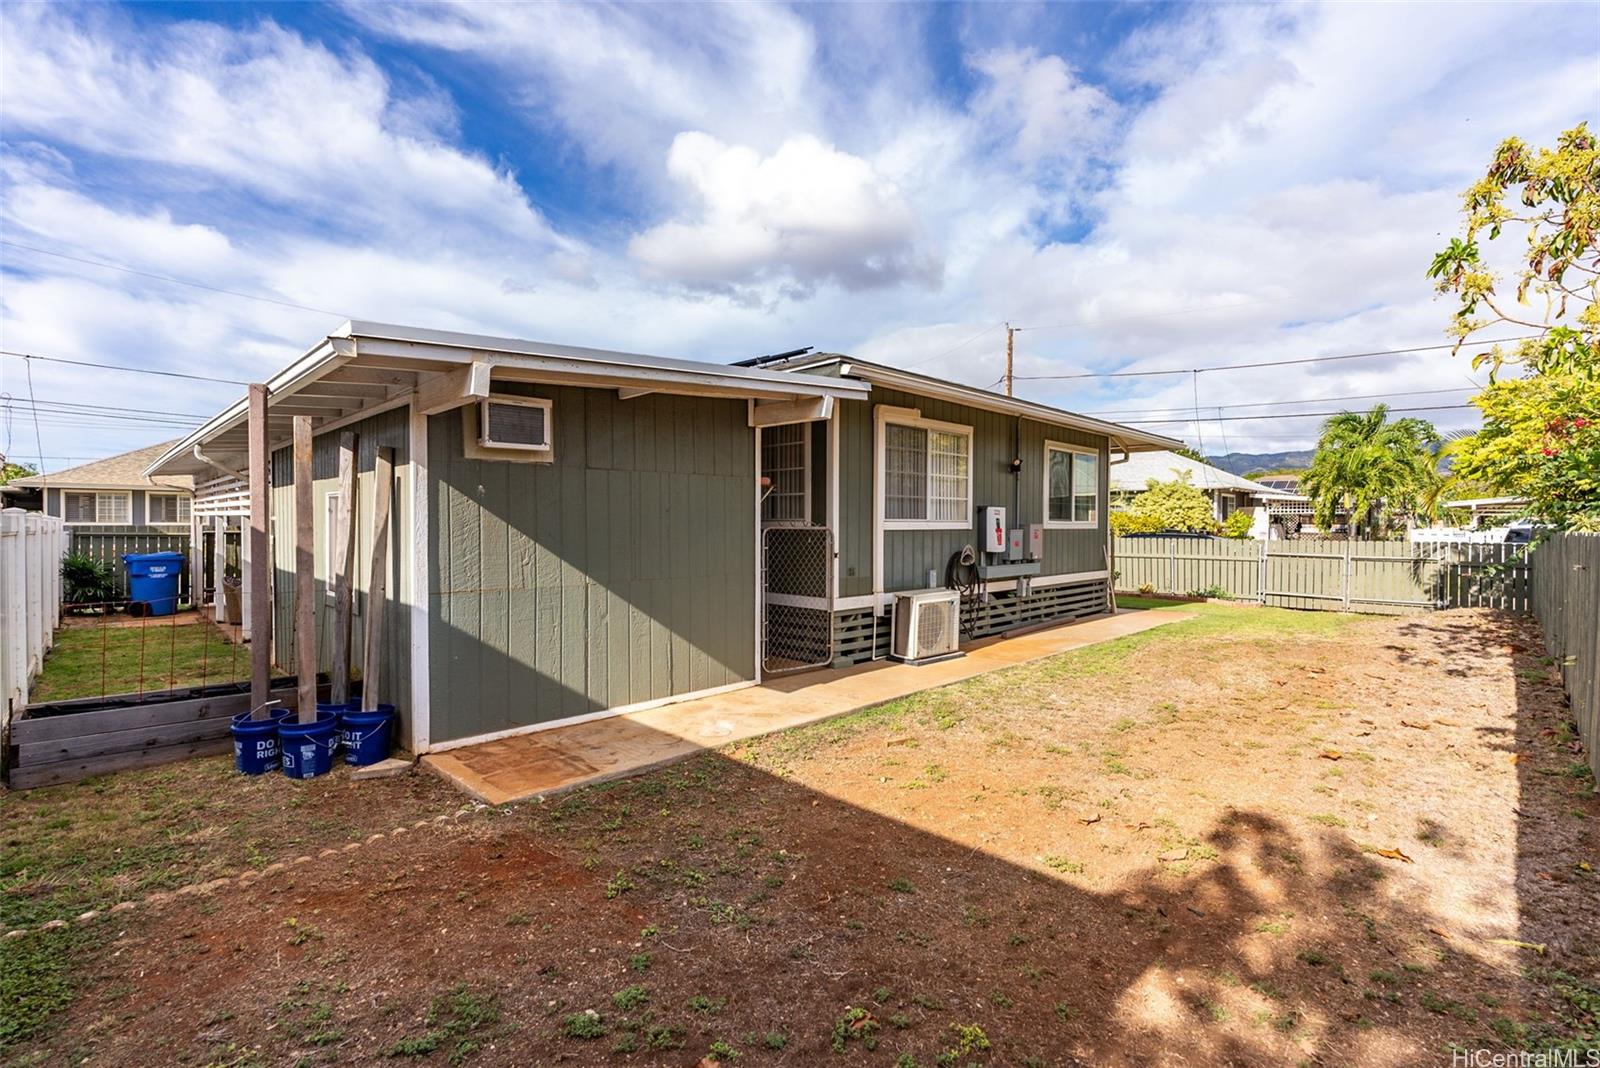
{"x": 927, "y": 626}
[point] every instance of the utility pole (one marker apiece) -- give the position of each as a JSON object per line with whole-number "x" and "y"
{"x": 1011, "y": 333}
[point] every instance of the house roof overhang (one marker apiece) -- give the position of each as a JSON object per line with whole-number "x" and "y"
{"x": 1124, "y": 437}
{"x": 365, "y": 367}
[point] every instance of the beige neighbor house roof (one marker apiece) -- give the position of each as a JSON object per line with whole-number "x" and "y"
{"x": 123, "y": 471}
{"x": 1166, "y": 466}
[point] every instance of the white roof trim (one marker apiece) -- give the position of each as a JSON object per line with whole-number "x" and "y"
{"x": 1481, "y": 502}
{"x": 879, "y": 374}
{"x": 530, "y": 358}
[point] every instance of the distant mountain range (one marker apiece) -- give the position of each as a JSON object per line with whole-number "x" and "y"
{"x": 1242, "y": 463}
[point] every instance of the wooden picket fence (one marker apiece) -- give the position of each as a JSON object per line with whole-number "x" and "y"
{"x": 1566, "y": 601}
{"x": 112, "y": 545}
{"x": 31, "y": 547}
{"x": 1329, "y": 574}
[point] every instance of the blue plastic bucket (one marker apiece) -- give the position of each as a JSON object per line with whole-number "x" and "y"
{"x": 308, "y": 747}
{"x": 255, "y": 742}
{"x": 366, "y": 734}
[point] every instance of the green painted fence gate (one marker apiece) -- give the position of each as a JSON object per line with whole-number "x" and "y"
{"x": 1330, "y": 574}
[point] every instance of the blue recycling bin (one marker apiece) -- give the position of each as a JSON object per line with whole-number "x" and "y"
{"x": 153, "y": 582}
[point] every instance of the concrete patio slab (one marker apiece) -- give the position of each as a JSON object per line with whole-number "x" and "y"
{"x": 545, "y": 762}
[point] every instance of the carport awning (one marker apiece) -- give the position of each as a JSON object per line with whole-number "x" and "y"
{"x": 364, "y": 366}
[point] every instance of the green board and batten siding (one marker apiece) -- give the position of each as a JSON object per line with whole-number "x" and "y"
{"x": 909, "y": 554}
{"x": 622, "y": 572}
{"x": 390, "y": 428}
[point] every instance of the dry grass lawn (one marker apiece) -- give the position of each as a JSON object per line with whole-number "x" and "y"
{"x": 1259, "y": 837}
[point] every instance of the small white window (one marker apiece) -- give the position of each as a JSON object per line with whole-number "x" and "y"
{"x": 927, "y": 473}
{"x": 330, "y": 516}
{"x": 166, "y": 508}
{"x": 786, "y": 460}
{"x": 101, "y": 508}
{"x": 1071, "y": 485}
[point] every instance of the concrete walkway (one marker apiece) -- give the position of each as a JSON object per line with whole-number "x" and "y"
{"x": 549, "y": 761}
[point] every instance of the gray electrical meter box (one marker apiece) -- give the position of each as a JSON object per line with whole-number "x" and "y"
{"x": 1035, "y": 541}
{"x": 1014, "y": 544}
{"x": 992, "y": 529}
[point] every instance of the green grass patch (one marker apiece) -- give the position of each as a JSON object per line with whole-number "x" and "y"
{"x": 1211, "y": 621}
{"x": 457, "y": 1022}
{"x": 93, "y": 661}
{"x": 35, "y": 982}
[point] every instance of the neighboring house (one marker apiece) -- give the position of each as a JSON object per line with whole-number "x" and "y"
{"x": 1287, "y": 483}
{"x": 579, "y": 532}
{"x": 1489, "y": 510}
{"x": 115, "y": 495}
{"x": 1228, "y": 492}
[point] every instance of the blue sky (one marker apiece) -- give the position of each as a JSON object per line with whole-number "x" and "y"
{"x": 1144, "y": 185}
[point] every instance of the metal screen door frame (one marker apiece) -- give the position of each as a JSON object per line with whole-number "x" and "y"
{"x": 796, "y": 597}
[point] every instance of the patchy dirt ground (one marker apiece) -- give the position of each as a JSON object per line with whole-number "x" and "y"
{"x": 1258, "y": 837}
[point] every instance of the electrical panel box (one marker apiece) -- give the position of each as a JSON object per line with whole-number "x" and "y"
{"x": 1035, "y": 541}
{"x": 992, "y": 520}
{"x": 1014, "y": 543}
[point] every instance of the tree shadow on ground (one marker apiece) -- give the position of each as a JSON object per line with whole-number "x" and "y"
{"x": 793, "y": 926}
{"x": 1556, "y": 839}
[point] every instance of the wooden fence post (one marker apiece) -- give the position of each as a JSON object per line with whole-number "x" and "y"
{"x": 1261, "y": 570}
{"x": 342, "y": 539}
{"x": 260, "y": 563}
{"x": 372, "y": 651}
{"x": 305, "y": 574}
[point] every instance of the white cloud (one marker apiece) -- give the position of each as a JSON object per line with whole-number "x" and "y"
{"x": 625, "y": 79}
{"x": 1043, "y": 107}
{"x": 805, "y": 215}
{"x": 1245, "y": 184}
{"x": 262, "y": 112}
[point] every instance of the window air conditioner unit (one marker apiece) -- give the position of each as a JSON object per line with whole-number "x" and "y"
{"x": 927, "y": 626}
{"x": 515, "y": 423}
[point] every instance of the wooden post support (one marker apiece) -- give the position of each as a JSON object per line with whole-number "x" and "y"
{"x": 260, "y": 559}
{"x": 372, "y": 649}
{"x": 305, "y": 588}
{"x": 342, "y": 533}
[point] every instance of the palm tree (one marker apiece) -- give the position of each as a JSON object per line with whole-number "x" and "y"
{"x": 1446, "y": 484}
{"x": 1371, "y": 467}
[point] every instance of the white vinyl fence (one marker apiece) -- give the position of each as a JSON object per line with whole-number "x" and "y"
{"x": 31, "y": 547}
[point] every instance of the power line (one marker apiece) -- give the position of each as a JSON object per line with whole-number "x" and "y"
{"x": 1269, "y": 363}
{"x": 123, "y": 367}
{"x": 1158, "y": 315}
{"x": 76, "y": 405}
{"x": 1302, "y": 400}
{"x": 952, "y": 348}
{"x": 38, "y": 440}
{"x": 1297, "y": 415}
{"x": 175, "y": 281}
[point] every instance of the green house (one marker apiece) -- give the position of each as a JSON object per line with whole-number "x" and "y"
{"x": 576, "y": 532}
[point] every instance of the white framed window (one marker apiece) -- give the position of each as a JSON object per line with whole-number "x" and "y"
{"x": 1071, "y": 486}
{"x": 330, "y": 517}
{"x": 96, "y": 508}
{"x": 786, "y": 460}
{"x": 927, "y": 473}
{"x": 166, "y": 508}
